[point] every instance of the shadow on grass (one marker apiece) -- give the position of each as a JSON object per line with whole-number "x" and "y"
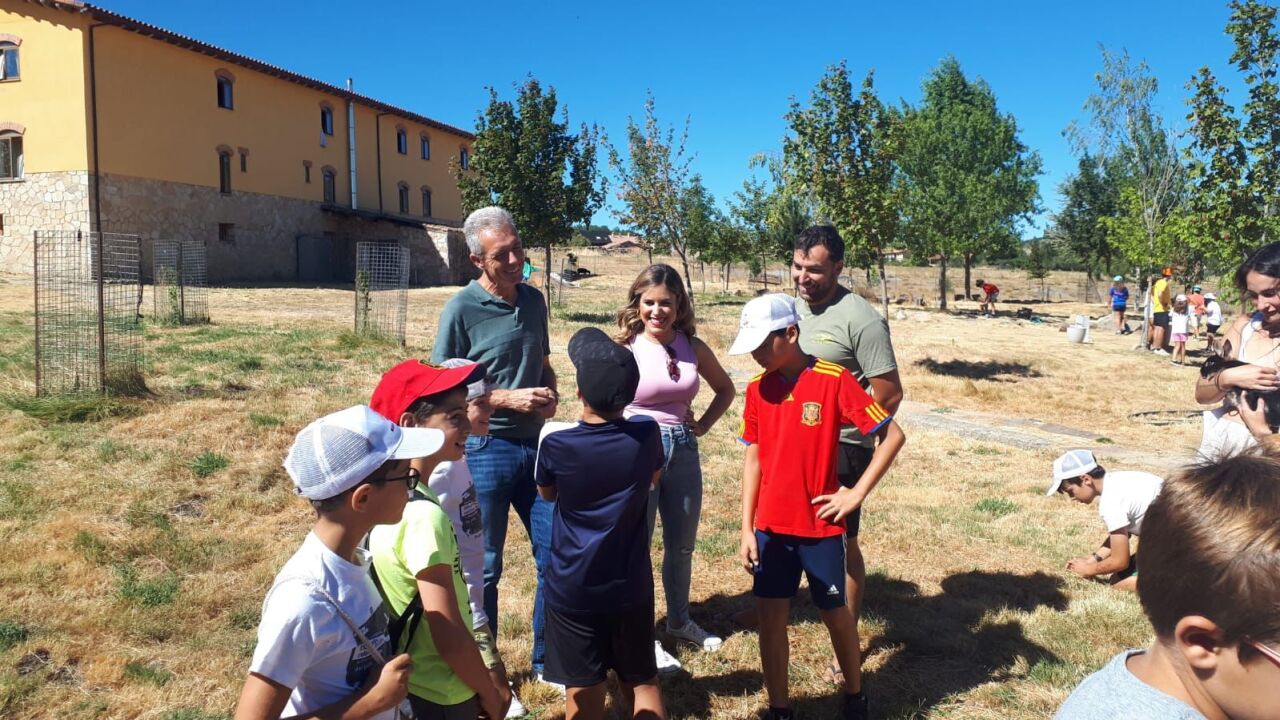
{"x": 997, "y": 371}
{"x": 938, "y": 645}
{"x": 591, "y": 318}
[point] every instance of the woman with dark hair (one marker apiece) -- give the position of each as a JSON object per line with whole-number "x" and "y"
{"x": 1245, "y": 374}
{"x": 658, "y": 326}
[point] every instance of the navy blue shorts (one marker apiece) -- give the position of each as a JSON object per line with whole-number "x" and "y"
{"x": 783, "y": 557}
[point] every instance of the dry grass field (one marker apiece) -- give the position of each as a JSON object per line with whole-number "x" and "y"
{"x": 138, "y": 537}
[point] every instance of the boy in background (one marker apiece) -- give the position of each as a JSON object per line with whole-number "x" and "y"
{"x": 416, "y": 560}
{"x": 1128, "y": 494}
{"x": 793, "y": 505}
{"x": 990, "y": 294}
{"x": 599, "y": 579}
{"x": 1211, "y": 591}
{"x": 312, "y": 658}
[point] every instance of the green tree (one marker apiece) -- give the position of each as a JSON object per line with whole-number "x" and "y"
{"x": 1091, "y": 196}
{"x": 967, "y": 178}
{"x": 841, "y": 151}
{"x": 702, "y": 221}
{"x": 1037, "y": 263}
{"x": 527, "y": 161}
{"x": 652, "y": 181}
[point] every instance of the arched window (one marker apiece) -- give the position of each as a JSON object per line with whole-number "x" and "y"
{"x": 226, "y": 83}
{"x": 464, "y": 159}
{"x": 326, "y": 119}
{"x": 426, "y": 201}
{"x": 424, "y": 146}
{"x": 403, "y": 187}
{"x": 11, "y": 151}
{"x": 9, "y": 67}
{"x": 402, "y": 140}
{"x": 224, "y": 169}
{"x": 330, "y": 185}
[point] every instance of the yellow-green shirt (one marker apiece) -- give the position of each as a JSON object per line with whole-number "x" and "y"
{"x": 423, "y": 538}
{"x": 1157, "y": 292}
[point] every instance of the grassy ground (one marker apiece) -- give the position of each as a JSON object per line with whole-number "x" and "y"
{"x": 138, "y": 537}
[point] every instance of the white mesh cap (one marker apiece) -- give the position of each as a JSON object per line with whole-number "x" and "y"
{"x": 1071, "y": 464}
{"x": 762, "y": 316}
{"x": 479, "y": 388}
{"x": 338, "y": 451}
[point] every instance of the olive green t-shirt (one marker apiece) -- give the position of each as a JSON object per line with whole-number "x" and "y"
{"x": 850, "y": 332}
{"x": 423, "y": 538}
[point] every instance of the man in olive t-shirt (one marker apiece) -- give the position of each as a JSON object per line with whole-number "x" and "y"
{"x": 840, "y": 326}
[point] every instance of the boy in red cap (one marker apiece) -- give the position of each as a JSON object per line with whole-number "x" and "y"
{"x": 416, "y": 560}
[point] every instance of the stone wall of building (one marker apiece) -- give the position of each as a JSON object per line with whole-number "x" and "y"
{"x": 250, "y": 237}
{"x": 50, "y": 202}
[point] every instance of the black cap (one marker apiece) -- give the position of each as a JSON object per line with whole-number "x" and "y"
{"x": 607, "y": 372}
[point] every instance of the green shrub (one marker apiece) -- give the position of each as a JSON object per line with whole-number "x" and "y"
{"x": 12, "y": 633}
{"x": 999, "y": 507}
{"x": 208, "y": 463}
{"x": 147, "y": 593}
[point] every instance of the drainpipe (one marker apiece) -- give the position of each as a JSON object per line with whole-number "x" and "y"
{"x": 377, "y": 154}
{"x": 93, "y": 113}
{"x": 351, "y": 141}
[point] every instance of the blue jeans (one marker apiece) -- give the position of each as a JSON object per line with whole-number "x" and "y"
{"x": 679, "y": 498}
{"x": 502, "y": 470}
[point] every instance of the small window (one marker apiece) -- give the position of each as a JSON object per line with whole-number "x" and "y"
{"x": 426, "y": 202}
{"x": 9, "y": 69}
{"x": 464, "y": 159}
{"x": 402, "y": 141}
{"x": 330, "y": 189}
{"x": 404, "y": 198}
{"x": 306, "y": 172}
{"x": 424, "y": 146}
{"x": 224, "y": 171}
{"x": 11, "y": 157}
{"x": 226, "y": 96}
{"x": 326, "y": 120}
{"x": 244, "y": 161}
{"x": 1, "y": 224}
{"x": 226, "y": 233}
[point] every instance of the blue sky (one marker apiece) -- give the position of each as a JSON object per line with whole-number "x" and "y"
{"x": 731, "y": 68}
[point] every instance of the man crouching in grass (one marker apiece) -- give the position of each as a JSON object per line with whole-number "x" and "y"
{"x": 323, "y": 633}
{"x": 1210, "y": 586}
{"x": 793, "y": 505}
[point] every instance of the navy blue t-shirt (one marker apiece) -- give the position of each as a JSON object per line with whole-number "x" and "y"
{"x": 599, "y": 533}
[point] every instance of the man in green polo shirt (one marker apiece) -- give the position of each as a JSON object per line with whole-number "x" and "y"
{"x": 502, "y": 323}
{"x": 840, "y": 326}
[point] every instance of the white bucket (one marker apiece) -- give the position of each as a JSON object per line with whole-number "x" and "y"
{"x": 1075, "y": 333}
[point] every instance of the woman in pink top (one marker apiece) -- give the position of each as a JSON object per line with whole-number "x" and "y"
{"x": 658, "y": 325}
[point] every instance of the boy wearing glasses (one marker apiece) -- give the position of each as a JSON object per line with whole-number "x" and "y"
{"x": 416, "y": 560}
{"x": 1211, "y": 589}
{"x": 323, "y": 633}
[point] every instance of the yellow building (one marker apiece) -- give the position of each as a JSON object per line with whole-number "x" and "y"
{"x": 109, "y": 123}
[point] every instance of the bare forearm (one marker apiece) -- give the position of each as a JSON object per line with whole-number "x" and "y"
{"x": 719, "y": 404}
{"x": 750, "y": 491}
{"x": 887, "y": 449}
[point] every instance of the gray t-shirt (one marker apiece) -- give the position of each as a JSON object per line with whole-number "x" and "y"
{"x": 850, "y": 332}
{"x": 1114, "y": 693}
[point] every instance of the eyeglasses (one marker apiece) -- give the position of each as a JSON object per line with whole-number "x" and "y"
{"x": 673, "y": 368}
{"x": 411, "y": 480}
{"x": 1272, "y": 655}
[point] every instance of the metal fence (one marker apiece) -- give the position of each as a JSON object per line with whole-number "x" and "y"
{"x": 382, "y": 289}
{"x": 88, "y": 299}
{"x": 181, "y": 294}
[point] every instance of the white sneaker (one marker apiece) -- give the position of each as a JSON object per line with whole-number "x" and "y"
{"x": 696, "y": 635}
{"x": 557, "y": 686}
{"x": 1160, "y": 351}
{"x": 517, "y": 708}
{"x": 666, "y": 663}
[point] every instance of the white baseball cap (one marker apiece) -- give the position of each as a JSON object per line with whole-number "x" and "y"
{"x": 340, "y": 450}
{"x": 762, "y": 316}
{"x": 1210, "y": 296}
{"x": 1070, "y": 464}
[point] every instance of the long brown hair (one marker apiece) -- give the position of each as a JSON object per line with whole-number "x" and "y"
{"x": 651, "y": 277}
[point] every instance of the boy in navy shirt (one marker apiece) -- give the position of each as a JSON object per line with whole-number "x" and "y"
{"x": 599, "y": 581}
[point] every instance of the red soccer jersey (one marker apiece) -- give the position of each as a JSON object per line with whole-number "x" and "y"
{"x": 990, "y": 289}
{"x": 797, "y": 427}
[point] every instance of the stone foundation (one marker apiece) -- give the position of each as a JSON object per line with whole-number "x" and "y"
{"x": 262, "y": 244}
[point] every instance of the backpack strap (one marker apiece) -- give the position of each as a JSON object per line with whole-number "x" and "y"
{"x": 412, "y": 614}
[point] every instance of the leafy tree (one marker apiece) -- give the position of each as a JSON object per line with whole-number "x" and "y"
{"x": 527, "y": 161}
{"x": 967, "y": 178}
{"x": 652, "y": 182}
{"x": 1038, "y": 263}
{"x": 842, "y": 152}
{"x": 702, "y": 220}
{"x": 1125, "y": 130}
{"x": 1091, "y": 196}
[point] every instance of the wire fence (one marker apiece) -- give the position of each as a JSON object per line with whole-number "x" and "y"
{"x": 181, "y": 295}
{"x": 382, "y": 290}
{"x": 88, "y": 298}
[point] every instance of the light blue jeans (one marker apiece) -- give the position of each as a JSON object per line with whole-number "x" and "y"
{"x": 678, "y": 498}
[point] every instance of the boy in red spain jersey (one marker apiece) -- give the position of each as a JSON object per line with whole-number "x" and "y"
{"x": 793, "y": 507}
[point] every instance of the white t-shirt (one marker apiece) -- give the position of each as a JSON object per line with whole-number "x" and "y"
{"x": 452, "y": 484}
{"x": 1178, "y": 322}
{"x": 1125, "y": 497}
{"x": 303, "y": 642}
{"x": 1213, "y": 312}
